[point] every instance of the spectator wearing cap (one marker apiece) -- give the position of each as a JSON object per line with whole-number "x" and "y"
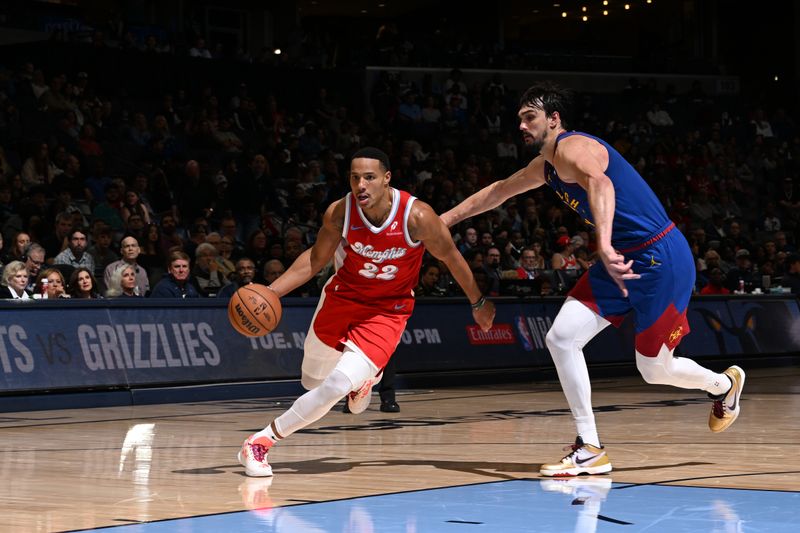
{"x": 792, "y": 277}
{"x": 564, "y": 258}
{"x": 75, "y": 254}
{"x": 741, "y": 273}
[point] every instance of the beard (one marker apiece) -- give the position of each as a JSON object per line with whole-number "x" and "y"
{"x": 533, "y": 145}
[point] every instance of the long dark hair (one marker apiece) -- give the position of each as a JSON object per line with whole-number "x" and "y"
{"x": 75, "y": 291}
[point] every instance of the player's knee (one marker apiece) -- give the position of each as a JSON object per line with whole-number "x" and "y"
{"x": 336, "y": 385}
{"x": 559, "y": 339}
{"x": 652, "y": 370}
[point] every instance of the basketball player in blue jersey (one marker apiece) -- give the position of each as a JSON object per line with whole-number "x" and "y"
{"x": 645, "y": 266}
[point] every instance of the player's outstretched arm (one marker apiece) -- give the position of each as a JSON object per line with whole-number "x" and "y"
{"x": 427, "y": 227}
{"x": 496, "y": 193}
{"x": 312, "y": 260}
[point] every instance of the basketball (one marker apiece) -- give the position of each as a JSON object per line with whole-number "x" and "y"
{"x": 254, "y": 310}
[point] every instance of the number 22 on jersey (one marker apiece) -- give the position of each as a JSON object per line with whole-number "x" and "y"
{"x": 371, "y": 271}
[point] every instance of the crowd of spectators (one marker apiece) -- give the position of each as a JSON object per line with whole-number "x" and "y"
{"x": 197, "y": 191}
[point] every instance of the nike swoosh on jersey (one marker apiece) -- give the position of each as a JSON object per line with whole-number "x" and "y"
{"x": 355, "y": 228}
{"x": 399, "y": 307}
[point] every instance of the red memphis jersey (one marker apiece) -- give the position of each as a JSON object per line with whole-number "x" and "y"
{"x": 382, "y": 263}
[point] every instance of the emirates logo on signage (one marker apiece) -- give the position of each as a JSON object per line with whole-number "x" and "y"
{"x": 499, "y": 334}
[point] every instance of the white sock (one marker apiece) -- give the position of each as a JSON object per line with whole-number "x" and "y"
{"x": 590, "y": 437}
{"x": 269, "y": 432}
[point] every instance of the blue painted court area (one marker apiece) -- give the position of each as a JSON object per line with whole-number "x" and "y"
{"x": 579, "y": 505}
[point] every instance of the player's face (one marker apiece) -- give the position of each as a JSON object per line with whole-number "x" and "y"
{"x": 533, "y": 124}
{"x": 368, "y": 181}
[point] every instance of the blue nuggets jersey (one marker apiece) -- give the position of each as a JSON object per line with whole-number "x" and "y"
{"x": 642, "y": 232}
{"x": 638, "y": 215}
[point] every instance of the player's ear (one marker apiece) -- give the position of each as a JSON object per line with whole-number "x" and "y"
{"x": 388, "y": 176}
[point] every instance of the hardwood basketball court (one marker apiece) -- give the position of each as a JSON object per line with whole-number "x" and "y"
{"x": 90, "y": 468}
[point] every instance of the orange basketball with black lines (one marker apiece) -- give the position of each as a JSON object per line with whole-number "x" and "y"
{"x": 254, "y": 310}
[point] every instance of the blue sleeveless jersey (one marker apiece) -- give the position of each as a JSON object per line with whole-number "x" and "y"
{"x": 638, "y": 214}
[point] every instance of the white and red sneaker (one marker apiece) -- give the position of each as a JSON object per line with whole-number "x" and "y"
{"x": 358, "y": 401}
{"x": 253, "y": 456}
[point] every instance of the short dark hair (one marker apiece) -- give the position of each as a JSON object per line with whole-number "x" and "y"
{"x": 550, "y": 98}
{"x": 73, "y": 232}
{"x": 792, "y": 258}
{"x": 370, "y": 152}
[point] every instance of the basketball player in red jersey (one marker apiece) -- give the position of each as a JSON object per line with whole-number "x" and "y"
{"x": 380, "y": 233}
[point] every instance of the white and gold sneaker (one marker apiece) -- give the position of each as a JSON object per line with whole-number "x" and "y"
{"x": 726, "y": 408}
{"x": 582, "y": 459}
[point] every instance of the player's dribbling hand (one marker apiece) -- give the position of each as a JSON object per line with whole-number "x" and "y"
{"x": 619, "y": 269}
{"x": 484, "y": 316}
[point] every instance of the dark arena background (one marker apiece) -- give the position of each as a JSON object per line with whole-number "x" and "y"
{"x": 225, "y": 129}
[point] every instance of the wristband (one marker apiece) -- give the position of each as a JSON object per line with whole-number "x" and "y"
{"x": 477, "y": 305}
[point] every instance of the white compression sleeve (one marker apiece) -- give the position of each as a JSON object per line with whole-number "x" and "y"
{"x": 575, "y": 326}
{"x": 350, "y": 373}
{"x": 666, "y": 369}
